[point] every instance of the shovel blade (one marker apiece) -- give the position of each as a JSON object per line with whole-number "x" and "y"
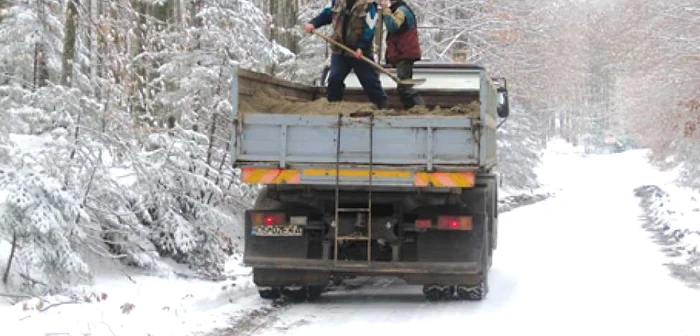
{"x": 417, "y": 81}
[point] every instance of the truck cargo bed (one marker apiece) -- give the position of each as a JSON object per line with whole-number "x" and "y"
{"x": 459, "y": 140}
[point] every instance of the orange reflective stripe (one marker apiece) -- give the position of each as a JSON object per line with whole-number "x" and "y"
{"x": 450, "y": 180}
{"x": 357, "y": 173}
{"x": 270, "y": 176}
{"x": 420, "y": 179}
{"x": 289, "y": 177}
{"x": 249, "y": 174}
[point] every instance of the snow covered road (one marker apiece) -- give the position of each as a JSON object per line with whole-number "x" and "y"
{"x": 577, "y": 264}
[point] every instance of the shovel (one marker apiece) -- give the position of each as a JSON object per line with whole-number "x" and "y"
{"x": 418, "y": 81}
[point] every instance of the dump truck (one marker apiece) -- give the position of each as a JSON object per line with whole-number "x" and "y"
{"x": 371, "y": 193}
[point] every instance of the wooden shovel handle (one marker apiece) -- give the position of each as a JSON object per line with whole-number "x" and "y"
{"x": 364, "y": 58}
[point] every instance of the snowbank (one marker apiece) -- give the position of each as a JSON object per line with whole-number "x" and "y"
{"x": 674, "y": 213}
{"x": 552, "y": 173}
{"x": 122, "y": 303}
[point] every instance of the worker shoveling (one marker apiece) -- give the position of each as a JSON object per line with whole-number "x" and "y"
{"x": 413, "y": 82}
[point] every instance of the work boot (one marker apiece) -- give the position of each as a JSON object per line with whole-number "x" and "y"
{"x": 418, "y": 100}
{"x": 410, "y": 102}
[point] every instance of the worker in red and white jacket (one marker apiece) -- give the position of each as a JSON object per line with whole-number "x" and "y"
{"x": 403, "y": 46}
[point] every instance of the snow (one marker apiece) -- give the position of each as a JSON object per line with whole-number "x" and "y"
{"x": 28, "y": 143}
{"x": 124, "y": 176}
{"x": 161, "y": 305}
{"x": 577, "y": 264}
{"x": 4, "y": 253}
{"x": 674, "y": 213}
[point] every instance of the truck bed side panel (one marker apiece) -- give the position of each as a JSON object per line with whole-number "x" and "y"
{"x": 287, "y": 141}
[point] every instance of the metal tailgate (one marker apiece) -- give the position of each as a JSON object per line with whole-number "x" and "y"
{"x": 296, "y": 141}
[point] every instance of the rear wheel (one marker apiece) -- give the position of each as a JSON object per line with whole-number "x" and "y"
{"x": 303, "y": 293}
{"x": 269, "y": 293}
{"x": 438, "y": 293}
{"x": 314, "y": 292}
{"x": 295, "y": 294}
{"x": 479, "y": 291}
{"x": 473, "y": 293}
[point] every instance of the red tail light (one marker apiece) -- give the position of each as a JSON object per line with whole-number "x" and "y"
{"x": 423, "y": 224}
{"x": 268, "y": 219}
{"x": 463, "y": 223}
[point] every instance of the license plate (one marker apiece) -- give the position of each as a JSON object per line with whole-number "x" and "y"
{"x": 277, "y": 231}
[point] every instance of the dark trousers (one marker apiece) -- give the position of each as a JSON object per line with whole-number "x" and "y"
{"x": 408, "y": 95}
{"x": 341, "y": 66}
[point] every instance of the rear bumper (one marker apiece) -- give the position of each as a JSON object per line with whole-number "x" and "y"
{"x": 363, "y": 268}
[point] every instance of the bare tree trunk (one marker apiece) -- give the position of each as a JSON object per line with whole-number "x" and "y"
{"x": 69, "y": 43}
{"x": 210, "y": 149}
{"x": 178, "y": 17}
{"x": 75, "y": 137}
{"x": 41, "y": 68}
{"x": 6, "y": 276}
{"x": 139, "y": 80}
{"x": 196, "y": 8}
{"x": 284, "y": 14}
{"x": 221, "y": 168}
{"x": 35, "y": 69}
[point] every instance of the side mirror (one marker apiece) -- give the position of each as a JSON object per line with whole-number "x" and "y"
{"x": 503, "y": 105}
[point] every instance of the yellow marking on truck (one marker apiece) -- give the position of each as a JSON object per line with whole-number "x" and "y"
{"x": 420, "y": 179}
{"x": 454, "y": 180}
{"x": 270, "y": 176}
{"x": 359, "y": 173}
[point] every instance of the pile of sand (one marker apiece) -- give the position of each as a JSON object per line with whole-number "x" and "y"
{"x": 470, "y": 110}
{"x": 269, "y": 101}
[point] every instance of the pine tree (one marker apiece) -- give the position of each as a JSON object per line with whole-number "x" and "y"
{"x": 46, "y": 220}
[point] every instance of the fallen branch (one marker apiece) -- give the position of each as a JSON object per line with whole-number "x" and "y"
{"x": 34, "y": 282}
{"x": 43, "y": 309}
{"x": 16, "y": 296}
{"x": 129, "y": 277}
{"x": 6, "y": 276}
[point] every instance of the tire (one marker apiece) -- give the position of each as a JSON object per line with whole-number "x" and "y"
{"x": 314, "y": 292}
{"x": 310, "y": 293}
{"x": 269, "y": 294}
{"x": 473, "y": 293}
{"x": 435, "y": 293}
{"x": 295, "y": 295}
{"x": 479, "y": 291}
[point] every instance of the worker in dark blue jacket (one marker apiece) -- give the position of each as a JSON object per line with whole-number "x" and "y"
{"x": 353, "y": 23}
